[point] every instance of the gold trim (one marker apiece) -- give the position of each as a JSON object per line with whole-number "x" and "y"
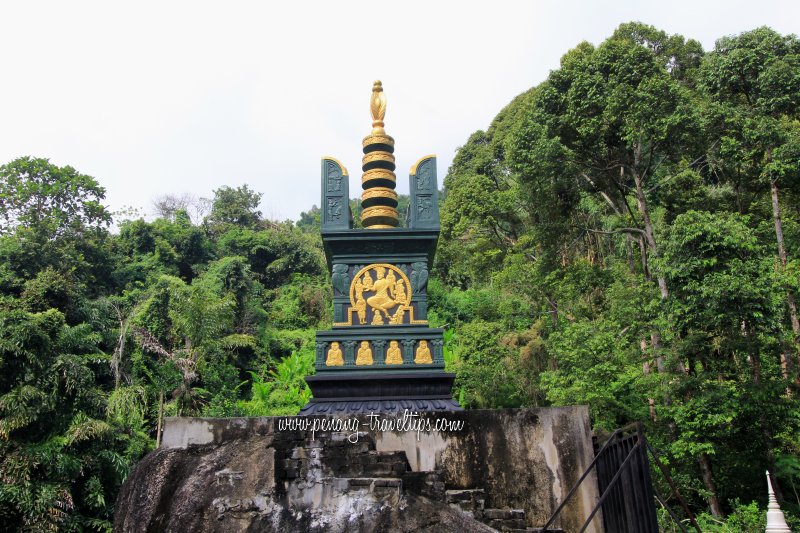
{"x": 377, "y": 156}
{"x": 413, "y": 170}
{"x": 378, "y": 192}
{"x": 378, "y": 174}
{"x": 329, "y": 158}
{"x": 411, "y": 319}
{"x": 377, "y": 139}
{"x": 379, "y": 211}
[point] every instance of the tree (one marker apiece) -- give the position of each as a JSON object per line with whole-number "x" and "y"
{"x": 481, "y": 212}
{"x": 63, "y": 454}
{"x": 722, "y": 316}
{"x": 235, "y": 207}
{"x": 622, "y": 119}
{"x": 754, "y": 81}
{"x": 168, "y": 205}
{"x": 51, "y": 200}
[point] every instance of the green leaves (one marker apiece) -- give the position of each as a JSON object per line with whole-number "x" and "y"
{"x": 595, "y": 366}
{"x": 610, "y": 240}
{"x": 755, "y": 69}
{"x": 282, "y": 391}
{"x": 234, "y": 207}
{"x": 48, "y": 199}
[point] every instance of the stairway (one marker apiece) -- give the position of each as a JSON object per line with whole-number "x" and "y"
{"x": 386, "y": 476}
{"x": 474, "y": 501}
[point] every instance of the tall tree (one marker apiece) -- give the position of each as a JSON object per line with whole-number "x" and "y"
{"x": 49, "y": 199}
{"x": 235, "y": 207}
{"x": 624, "y": 121}
{"x": 754, "y": 80}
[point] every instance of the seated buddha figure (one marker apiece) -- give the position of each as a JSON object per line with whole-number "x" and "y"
{"x": 393, "y": 355}
{"x": 423, "y": 355}
{"x": 334, "y": 355}
{"x": 364, "y": 356}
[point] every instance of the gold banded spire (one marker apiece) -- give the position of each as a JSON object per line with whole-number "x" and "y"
{"x": 379, "y": 200}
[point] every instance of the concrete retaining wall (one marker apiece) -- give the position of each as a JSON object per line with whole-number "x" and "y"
{"x": 245, "y": 473}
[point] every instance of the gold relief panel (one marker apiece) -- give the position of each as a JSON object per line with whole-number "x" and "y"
{"x": 423, "y": 354}
{"x": 334, "y": 357}
{"x": 364, "y": 356}
{"x": 394, "y": 356}
{"x": 385, "y": 291}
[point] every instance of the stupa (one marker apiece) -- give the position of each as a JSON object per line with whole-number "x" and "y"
{"x": 380, "y": 355}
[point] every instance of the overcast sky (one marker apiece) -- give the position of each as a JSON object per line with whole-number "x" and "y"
{"x": 184, "y": 97}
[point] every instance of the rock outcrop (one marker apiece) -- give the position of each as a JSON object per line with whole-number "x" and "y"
{"x": 502, "y": 470}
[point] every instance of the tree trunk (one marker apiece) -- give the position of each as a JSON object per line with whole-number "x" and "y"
{"x": 651, "y": 402}
{"x": 553, "y": 309}
{"x": 629, "y": 252}
{"x": 776, "y": 215}
{"x": 766, "y": 433}
{"x": 708, "y": 481}
{"x": 160, "y": 417}
{"x": 649, "y": 234}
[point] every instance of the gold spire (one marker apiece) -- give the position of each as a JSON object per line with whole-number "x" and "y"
{"x": 379, "y": 200}
{"x": 377, "y": 105}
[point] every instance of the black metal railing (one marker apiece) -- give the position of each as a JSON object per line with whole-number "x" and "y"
{"x": 628, "y": 495}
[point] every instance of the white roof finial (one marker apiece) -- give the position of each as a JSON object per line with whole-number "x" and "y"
{"x": 776, "y": 522}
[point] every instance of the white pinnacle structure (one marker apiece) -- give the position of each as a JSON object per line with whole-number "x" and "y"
{"x": 776, "y": 522}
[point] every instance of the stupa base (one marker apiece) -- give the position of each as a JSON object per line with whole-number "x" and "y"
{"x": 385, "y": 392}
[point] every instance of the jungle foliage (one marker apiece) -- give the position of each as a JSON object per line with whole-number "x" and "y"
{"x": 624, "y": 235}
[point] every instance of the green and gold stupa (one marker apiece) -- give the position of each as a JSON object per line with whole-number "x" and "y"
{"x": 380, "y": 355}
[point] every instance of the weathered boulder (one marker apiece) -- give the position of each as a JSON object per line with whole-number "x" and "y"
{"x": 507, "y": 468}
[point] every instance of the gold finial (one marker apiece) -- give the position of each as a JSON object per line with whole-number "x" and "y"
{"x": 378, "y": 107}
{"x": 378, "y": 201}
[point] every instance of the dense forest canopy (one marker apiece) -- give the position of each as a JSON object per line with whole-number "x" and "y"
{"x": 623, "y": 235}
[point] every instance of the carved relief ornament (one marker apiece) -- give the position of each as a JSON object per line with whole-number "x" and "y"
{"x": 386, "y": 291}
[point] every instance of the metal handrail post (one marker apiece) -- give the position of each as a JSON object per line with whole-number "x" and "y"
{"x": 610, "y": 486}
{"x": 577, "y": 483}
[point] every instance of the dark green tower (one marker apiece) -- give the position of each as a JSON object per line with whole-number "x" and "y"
{"x": 380, "y": 356}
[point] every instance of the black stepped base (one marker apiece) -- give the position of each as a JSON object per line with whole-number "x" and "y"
{"x": 386, "y": 392}
{"x": 377, "y": 406}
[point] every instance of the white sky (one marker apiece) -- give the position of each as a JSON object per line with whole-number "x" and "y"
{"x": 184, "y": 97}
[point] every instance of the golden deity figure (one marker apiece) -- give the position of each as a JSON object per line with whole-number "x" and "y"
{"x": 387, "y": 293}
{"x": 367, "y": 282}
{"x": 364, "y": 356}
{"x": 334, "y": 355}
{"x": 361, "y": 304}
{"x": 400, "y": 291}
{"x": 392, "y": 279}
{"x": 382, "y": 302}
{"x": 423, "y": 355}
{"x": 393, "y": 355}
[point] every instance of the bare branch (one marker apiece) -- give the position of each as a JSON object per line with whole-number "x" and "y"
{"x": 635, "y": 231}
